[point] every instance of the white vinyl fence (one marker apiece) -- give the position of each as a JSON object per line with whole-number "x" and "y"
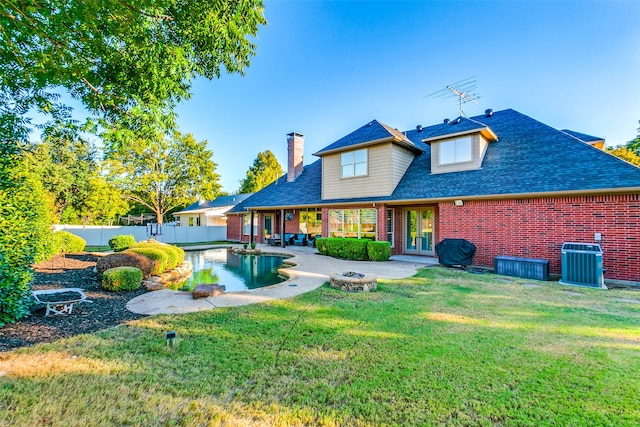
{"x": 98, "y": 235}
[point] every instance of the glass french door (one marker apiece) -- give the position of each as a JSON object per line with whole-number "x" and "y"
{"x": 268, "y": 225}
{"x": 418, "y": 231}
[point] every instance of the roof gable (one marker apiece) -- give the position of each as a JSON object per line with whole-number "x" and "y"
{"x": 371, "y": 133}
{"x": 530, "y": 158}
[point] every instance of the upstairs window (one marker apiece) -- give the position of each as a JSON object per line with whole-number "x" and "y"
{"x": 456, "y": 151}
{"x": 354, "y": 163}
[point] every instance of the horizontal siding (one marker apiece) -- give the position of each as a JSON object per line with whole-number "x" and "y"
{"x": 401, "y": 159}
{"x": 376, "y": 183}
{"x": 478, "y": 147}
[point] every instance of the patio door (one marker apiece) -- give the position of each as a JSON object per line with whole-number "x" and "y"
{"x": 268, "y": 226}
{"x": 418, "y": 231}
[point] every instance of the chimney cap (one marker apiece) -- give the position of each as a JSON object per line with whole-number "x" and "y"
{"x": 295, "y": 134}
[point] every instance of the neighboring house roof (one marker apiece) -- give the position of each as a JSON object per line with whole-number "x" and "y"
{"x": 371, "y": 133}
{"x": 529, "y": 158}
{"x": 583, "y": 136}
{"x": 216, "y": 207}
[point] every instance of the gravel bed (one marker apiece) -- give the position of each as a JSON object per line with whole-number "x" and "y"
{"x": 106, "y": 310}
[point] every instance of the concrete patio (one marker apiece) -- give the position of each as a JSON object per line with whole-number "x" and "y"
{"x": 306, "y": 270}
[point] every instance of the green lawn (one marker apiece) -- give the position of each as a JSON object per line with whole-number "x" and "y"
{"x": 441, "y": 348}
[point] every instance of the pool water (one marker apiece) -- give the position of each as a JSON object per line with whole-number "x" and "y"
{"x": 236, "y": 272}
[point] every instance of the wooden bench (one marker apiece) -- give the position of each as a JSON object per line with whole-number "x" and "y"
{"x": 55, "y": 303}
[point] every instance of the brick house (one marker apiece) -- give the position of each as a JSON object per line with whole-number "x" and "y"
{"x": 511, "y": 185}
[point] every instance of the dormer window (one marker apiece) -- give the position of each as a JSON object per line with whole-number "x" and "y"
{"x": 457, "y": 150}
{"x": 354, "y": 163}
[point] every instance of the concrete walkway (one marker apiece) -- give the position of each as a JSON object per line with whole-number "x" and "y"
{"x": 308, "y": 270}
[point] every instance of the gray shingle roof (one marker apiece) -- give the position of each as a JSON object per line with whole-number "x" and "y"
{"x": 529, "y": 158}
{"x": 372, "y": 131}
{"x": 582, "y": 136}
{"x": 219, "y": 202}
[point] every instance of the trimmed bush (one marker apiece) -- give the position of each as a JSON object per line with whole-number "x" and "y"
{"x": 175, "y": 254}
{"x": 321, "y": 245}
{"x": 122, "y": 279}
{"x": 353, "y": 249}
{"x": 378, "y": 251}
{"x": 121, "y": 242}
{"x": 125, "y": 259}
{"x": 63, "y": 241}
{"x": 158, "y": 257}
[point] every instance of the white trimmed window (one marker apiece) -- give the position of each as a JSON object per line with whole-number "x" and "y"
{"x": 456, "y": 151}
{"x": 353, "y": 223}
{"x": 246, "y": 224}
{"x": 354, "y": 163}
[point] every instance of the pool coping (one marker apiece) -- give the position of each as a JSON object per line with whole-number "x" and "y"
{"x": 306, "y": 270}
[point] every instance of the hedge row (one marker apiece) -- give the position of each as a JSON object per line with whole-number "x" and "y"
{"x": 354, "y": 249}
{"x": 25, "y": 232}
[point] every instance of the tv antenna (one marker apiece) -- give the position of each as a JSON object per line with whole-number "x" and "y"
{"x": 464, "y": 90}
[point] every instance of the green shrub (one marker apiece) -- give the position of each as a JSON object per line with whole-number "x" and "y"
{"x": 175, "y": 254}
{"x": 156, "y": 255}
{"x": 353, "y": 249}
{"x": 125, "y": 259}
{"x": 122, "y": 279}
{"x": 26, "y": 216}
{"x": 121, "y": 242}
{"x": 378, "y": 251}
{"x": 63, "y": 241}
{"x": 321, "y": 245}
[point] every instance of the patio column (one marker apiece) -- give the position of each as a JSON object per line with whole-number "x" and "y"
{"x": 251, "y": 227}
{"x": 282, "y": 228}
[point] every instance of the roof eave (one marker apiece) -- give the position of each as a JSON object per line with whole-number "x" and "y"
{"x": 497, "y": 196}
{"x": 393, "y": 138}
{"x": 486, "y": 132}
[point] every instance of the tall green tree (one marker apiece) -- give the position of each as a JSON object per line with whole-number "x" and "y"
{"x": 162, "y": 173}
{"x": 65, "y": 167}
{"x": 629, "y": 151}
{"x": 264, "y": 171}
{"x": 112, "y": 57}
{"x": 116, "y": 55}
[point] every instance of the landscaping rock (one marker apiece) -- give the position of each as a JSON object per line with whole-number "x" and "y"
{"x": 163, "y": 281}
{"x": 208, "y": 290}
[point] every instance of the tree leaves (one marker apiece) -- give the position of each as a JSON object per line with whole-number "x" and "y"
{"x": 264, "y": 171}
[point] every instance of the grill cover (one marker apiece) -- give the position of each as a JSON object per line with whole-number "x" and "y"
{"x": 455, "y": 252}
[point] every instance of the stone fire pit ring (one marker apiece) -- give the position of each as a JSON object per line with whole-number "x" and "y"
{"x": 352, "y": 281}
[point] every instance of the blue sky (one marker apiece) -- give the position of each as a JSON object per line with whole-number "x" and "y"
{"x": 325, "y": 68}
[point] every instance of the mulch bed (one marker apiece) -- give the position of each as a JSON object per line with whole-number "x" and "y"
{"x": 108, "y": 309}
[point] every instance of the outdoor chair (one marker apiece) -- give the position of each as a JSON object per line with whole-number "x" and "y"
{"x": 300, "y": 240}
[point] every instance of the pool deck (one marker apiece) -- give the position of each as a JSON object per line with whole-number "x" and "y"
{"x": 308, "y": 270}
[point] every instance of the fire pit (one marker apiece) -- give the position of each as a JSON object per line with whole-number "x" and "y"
{"x": 351, "y": 281}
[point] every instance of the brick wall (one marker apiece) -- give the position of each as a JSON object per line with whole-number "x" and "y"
{"x": 536, "y": 228}
{"x": 234, "y": 227}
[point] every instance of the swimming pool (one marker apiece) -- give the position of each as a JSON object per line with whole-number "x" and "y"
{"x": 236, "y": 272}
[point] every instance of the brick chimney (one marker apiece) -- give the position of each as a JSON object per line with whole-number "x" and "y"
{"x": 295, "y": 150}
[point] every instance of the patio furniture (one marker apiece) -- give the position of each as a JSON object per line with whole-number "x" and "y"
{"x": 59, "y": 301}
{"x": 288, "y": 238}
{"x": 300, "y": 240}
{"x": 274, "y": 240}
